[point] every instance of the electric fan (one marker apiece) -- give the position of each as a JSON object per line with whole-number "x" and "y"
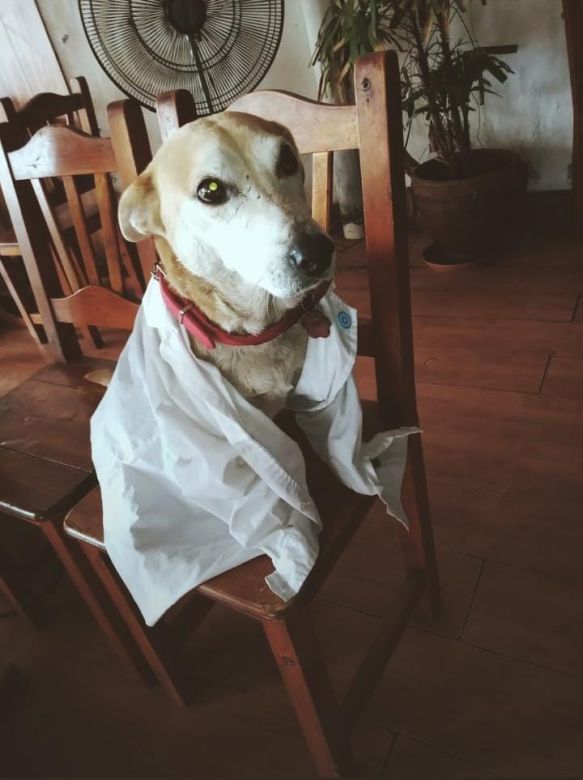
{"x": 216, "y": 49}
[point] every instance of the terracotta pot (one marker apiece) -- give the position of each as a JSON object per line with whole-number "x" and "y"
{"x": 467, "y": 218}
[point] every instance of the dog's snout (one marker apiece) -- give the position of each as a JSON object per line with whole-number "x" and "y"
{"x": 312, "y": 253}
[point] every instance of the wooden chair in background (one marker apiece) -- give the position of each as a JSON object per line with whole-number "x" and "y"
{"x": 69, "y": 206}
{"x": 45, "y": 459}
{"x": 374, "y": 127}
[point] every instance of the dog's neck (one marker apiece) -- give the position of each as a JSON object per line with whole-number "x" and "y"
{"x": 236, "y": 306}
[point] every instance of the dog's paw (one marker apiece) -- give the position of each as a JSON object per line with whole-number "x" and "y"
{"x": 100, "y": 377}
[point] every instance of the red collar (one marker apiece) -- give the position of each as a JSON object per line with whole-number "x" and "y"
{"x": 209, "y": 334}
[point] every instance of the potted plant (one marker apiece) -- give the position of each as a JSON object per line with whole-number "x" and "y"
{"x": 463, "y": 196}
{"x": 349, "y": 29}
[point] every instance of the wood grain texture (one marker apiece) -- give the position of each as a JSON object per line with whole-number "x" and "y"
{"x": 133, "y": 153}
{"x": 96, "y": 306}
{"x": 50, "y": 422}
{"x": 27, "y": 59}
{"x": 564, "y": 378}
{"x": 62, "y": 151}
{"x": 38, "y": 490}
{"x": 315, "y": 127}
{"x": 322, "y": 188}
{"x": 298, "y": 656}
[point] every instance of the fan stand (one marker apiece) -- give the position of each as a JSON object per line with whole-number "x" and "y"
{"x": 188, "y": 18}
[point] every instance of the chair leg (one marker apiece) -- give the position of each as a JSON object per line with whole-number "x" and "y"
{"x": 298, "y": 656}
{"x": 417, "y": 543}
{"x": 161, "y": 653}
{"x": 30, "y": 326}
{"x": 17, "y": 594}
{"x": 91, "y": 591}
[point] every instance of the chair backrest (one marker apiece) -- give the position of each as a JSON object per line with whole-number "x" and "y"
{"x": 48, "y": 108}
{"x": 65, "y": 153}
{"x": 374, "y": 127}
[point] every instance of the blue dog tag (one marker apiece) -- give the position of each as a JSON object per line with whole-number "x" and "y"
{"x": 344, "y": 319}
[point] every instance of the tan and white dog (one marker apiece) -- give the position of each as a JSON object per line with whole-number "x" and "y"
{"x": 224, "y": 198}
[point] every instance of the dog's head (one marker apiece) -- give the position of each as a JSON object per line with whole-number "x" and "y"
{"x": 226, "y": 192}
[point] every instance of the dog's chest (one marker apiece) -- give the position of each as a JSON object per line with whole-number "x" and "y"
{"x": 264, "y": 374}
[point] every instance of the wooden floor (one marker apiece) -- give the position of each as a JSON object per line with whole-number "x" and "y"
{"x": 495, "y": 688}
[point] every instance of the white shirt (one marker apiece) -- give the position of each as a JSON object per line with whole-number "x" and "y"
{"x": 195, "y": 480}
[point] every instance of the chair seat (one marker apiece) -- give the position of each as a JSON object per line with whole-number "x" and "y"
{"x": 244, "y": 588}
{"x": 39, "y": 490}
{"x": 45, "y": 457}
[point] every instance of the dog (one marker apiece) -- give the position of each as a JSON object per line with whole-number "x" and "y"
{"x": 224, "y": 200}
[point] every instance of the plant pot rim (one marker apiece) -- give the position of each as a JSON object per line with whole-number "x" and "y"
{"x": 501, "y": 158}
{"x": 432, "y": 252}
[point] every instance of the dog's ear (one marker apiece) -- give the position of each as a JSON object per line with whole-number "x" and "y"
{"x": 139, "y": 209}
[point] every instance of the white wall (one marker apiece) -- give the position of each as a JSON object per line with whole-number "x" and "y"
{"x": 534, "y": 115}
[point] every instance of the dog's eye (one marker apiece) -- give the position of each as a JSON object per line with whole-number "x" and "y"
{"x": 212, "y": 191}
{"x": 287, "y": 163}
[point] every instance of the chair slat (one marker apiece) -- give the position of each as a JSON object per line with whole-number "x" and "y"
{"x": 62, "y": 151}
{"x": 130, "y": 262}
{"x": 316, "y": 127}
{"x": 32, "y": 236}
{"x": 109, "y": 230}
{"x": 86, "y": 112}
{"x": 132, "y": 149}
{"x": 322, "y": 188}
{"x": 81, "y": 229}
{"x": 98, "y": 306}
{"x": 74, "y": 276}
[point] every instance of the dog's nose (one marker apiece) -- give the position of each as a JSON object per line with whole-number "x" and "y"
{"x": 312, "y": 253}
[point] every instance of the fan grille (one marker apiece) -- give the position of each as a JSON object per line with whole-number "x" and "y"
{"x": 140, "y": 46}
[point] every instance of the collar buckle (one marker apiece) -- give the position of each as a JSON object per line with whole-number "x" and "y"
{"x": 157, "y": 271}
{"x": 183, "y": 311}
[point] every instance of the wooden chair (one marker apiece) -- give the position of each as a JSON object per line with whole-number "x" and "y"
{"x": 373, "y": 127}
{"x": 45, "y": 459}
{"x": 69, "y": 207}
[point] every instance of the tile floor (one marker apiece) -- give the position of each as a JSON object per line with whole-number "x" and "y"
{"x": 495, "y": 688}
